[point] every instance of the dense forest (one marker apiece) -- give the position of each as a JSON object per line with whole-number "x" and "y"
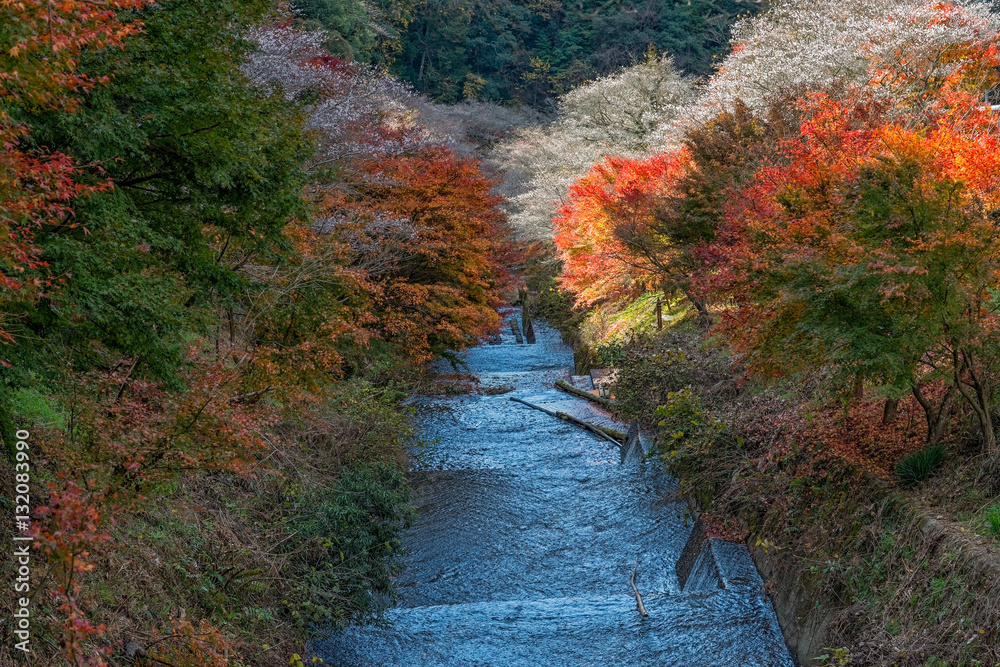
{"x": 524, "y": 51}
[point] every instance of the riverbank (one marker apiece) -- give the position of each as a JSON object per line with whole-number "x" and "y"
{"x": 863, "y": 570}
{"x": 214, "y": 569}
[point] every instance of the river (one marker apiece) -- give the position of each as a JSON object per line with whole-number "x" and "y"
{"x": 529, "y": 529}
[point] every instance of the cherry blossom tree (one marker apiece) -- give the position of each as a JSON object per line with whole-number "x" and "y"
{"x": 895, "y": 49}
{"x": 625, "y": 114}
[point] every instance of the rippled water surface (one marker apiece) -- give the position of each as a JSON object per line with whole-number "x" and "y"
{"x": 528, "y": 532}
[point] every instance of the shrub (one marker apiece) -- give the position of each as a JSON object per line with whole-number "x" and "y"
{"x": 918, "y": 466}
{"x": 348, "y": 539}
{"x": 682, "y": 411}
{"x": 611, "y": 353}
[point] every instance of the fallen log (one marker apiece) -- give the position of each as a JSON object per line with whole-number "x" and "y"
{"x": 619, "y": 436}
{"x": 638, "y": 597}
{"x": 611, "y": 435}
{"x": 576, "y": 391}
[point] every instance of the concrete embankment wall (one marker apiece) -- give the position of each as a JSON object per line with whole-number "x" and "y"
{"x": 709, "y": 563}
{"x": 813, "y": 622}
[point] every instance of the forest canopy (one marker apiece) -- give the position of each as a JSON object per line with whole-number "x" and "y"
{"x": 526, "y": 51}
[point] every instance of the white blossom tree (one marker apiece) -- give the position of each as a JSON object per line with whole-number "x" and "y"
{"x": 349, "y": 100}
{"x": 797, "y": 46}
{"x": 348, "y": 104}
{"x": 623, "y": 114}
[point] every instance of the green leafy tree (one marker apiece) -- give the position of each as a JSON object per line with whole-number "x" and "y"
{"x": 363, "y": 31}
{"x": 206, "y": 172}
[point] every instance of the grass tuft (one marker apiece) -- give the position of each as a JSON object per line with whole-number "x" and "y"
{"x": 918, "y": 466}
{"x": 992, "y": 519}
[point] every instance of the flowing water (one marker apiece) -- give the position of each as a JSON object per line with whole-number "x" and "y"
{"x": 528, "y": 532}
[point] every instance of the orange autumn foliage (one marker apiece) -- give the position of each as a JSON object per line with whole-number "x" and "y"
{"x": 425, "y": 239}
{"x": 606, "y": 231}
{"x": 871, "y": 250}
{"x": 850, "y": 235}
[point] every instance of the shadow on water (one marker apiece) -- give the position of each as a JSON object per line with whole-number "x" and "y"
{"x": 527, "y": 534}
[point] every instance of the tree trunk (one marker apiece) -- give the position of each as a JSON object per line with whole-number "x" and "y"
{"x": 859, "y": 389}
{"x": 989, "y": 437}
{"x": 423, "y": 56}
{"x": 984, "y": 414}
{"x": 979, "y": 394}
{"x": 703, "y": 317}
{"x": 890, "y": 410}
{"x": 937, "y": 415}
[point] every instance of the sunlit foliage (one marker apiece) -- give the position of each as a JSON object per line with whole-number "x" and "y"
{"x": 620, "y": 115}
{"x": 836, "y": 204}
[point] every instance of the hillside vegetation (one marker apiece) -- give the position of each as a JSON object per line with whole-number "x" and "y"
{"x": 224, "y": 256}
{"x": 523, "y": 51}
{"x": 234, "y": 233}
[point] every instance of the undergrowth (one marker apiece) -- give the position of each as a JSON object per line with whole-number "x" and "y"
{"x": 991, "y": 519}
{"x": 918, "y": 466}
{"x": 217, "y": 568}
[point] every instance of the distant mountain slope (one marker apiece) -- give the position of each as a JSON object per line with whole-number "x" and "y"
{"x": 523, "y": 50}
